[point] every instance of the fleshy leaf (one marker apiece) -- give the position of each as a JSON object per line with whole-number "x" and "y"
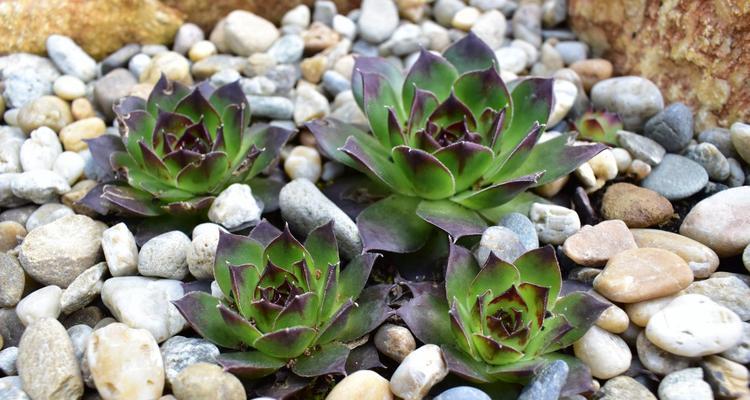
{"x": 391, "y": 224}
{"x": 377, "y": 166}
{"x": 461, "y": 269}
{"x": 165, "y": 95}
{"x": 431, "y": 73}
{"x": 423, "y": 105}
{"x": 331, "y": 135}
{"x": 374, "y": 65}
{"x": 532, "y": 97}
{"x": 540, "y": 267}
{"x": 327, "y": 359}
{"x": 429, "y": 178}
{"x": 482, "y": 89}
{"x": 130, "y": 200}
{"x": 234, "y": 250}
{"x": 427, "y": 317}
{"x": 285, "y": 251}
{"x": 202, "y": 313}
{"x": 581, "y": 310}
{"x": 466, "y": 161}
{"x": 464, "y": 366}
{"x": 370, "y": 311}
{"x": 322, "y": 246}
{"x": 470, "y": 54}
{"x": 250, "y": 365}
{"x": 453, "y": 218}
{"x": 557, "y": 159}
{"x": 286, "y": 343}
{"x": 497, "y": 194}
{"x": 354, "y": 277}
{"x": 301, "y": 310}
{"x": 496, "y": 276}
{"x": 378, "y": 95}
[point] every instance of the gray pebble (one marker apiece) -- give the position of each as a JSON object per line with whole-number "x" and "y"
{"x": 741, "y": 352}
{"x": 271, "y": 107}
{"x": 736, "y": 173}
{"x": 287, "y": 49}
{"x": 179, "y": 352}
{"x": 11, "y": 389}
{"x": 407, "y": 39}
{"x": 522, "y": 226}
{"x": 721, "y": 138}
{"x": 634, "y": 98}
{"x": 364, "y": 48}
{"x": 324, "y": 12}
{"x": 444, "y": 10}
{"x": 70, "y": 58}
{"x": 335, "y": 83}
{"x": 258, "y": 86}
{"x": 548, "y": 383}
{"x": 165, "y": 256}
{"x": 463, "y": 393}
{"x": 47, "y": 213}
{"x": 676, "y": 178}
{"x": 641, "y": 147}
{"x": 23, "y": 86}
{"x": 572, "y": 51}
{"x": 120, "y": 57}
{"x": 19, "y": 214}
{"x": 79, "y": 336}
{"x": 138, "y": 63}
{"x": 527, "y": 23}
{"x": 687, "y": 384}
{"x": 672, "y": 127}
{"x": 12, "y": 280}
{"x": 378, "y": 20}
{"x": 153, "y": 49}
{"x": 223, "y": 77}
{"x": 284, "y": 77}
{"x": 708, "y": 156}
{"x": 188, "y": 35}
{"x": 11, "y": 328}
{"x": 500, "y": 241}
{"x": 112, "y": 87}
{"x": 8, "y": 358}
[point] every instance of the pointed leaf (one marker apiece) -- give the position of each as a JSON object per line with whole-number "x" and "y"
{"x": 301, "y": 310}
{"x": 427, "y": 316}
{"x": 532, "y": 96}
{"x": 202, "y": 313}
{"x": 432, "y": 73}
{"x": 327, "y": 359}
{"x": 285, "y": 251}
{"x": 331, "y": 135}
{"x": 197, "y": 108}
{"x": 493, "y": 352}
{"x": 497, "y": 194}
{"x": 165, "y": 95}
{"x": 581, "y": 310}
{"x": 286, "y": 343}
{"x": 370, "y": 311}
{"x": 470, "y": 54}
{"x": 496, "y": 276}
{"x": 423, "y": 105}
{"x": 234, "y": 250}
{"x": 376, "y": 65}
{"x": 250, "y": 365}
{"x": 557, "y": 159}
{"x": 202, "y": 176}
{"x": 131, "y": 201}
{"x": 270, "y": 139}
{"x": 430, "y": 178}
{"x": 453, "y": 218}
{"x": 466, "y": 161}
{"x": 482, "y": 89}
{"x": 464, "y": 366}
{"x": 322, "y": 246}
{"x": 377, "y": 166}
{"x": 452, "y": 111}
{"x": 101, "y": 147}
{"x": 540, "y": 267}
{"x": 138, "y": 125}
{"x": 378, "y": 95}
{"x": 244, "y": 281}
{"x": 354, "y": 277}
{"x": 507, "y": 164}
{"x": 461, "y": 269}
{"x": 391, "y": 224}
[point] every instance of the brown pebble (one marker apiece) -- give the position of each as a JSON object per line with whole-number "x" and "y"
{"x": 636, "y": 206}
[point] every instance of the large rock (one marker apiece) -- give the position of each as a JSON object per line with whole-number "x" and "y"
{"x": 107, "y": 25}
{"x": 207, "y": 13}
{"x": 680, "y": 45}
{"x": 721, "y": 222}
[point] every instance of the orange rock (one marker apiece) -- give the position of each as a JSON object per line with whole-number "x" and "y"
{"x": 697, "y": 52}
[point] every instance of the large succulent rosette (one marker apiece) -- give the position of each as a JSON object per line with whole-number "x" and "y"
{"x": 181, "y": 148}
{"x": 285, "y": 303}
{"x": 449, "y": 140}
{"x": 502, "y": 321}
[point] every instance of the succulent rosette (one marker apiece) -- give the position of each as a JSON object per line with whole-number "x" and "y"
{"x": 449, "y": 140}
{"x": 181, "y": 148}
{"x": 599, "y": 126}
{"x": 292, "y": 304}
{"x": 501, "y": 321}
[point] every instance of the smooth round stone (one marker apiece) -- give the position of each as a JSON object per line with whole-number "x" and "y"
{"x": 73, "y": 135}
{"x": 635, "y": 206}
{"x": 746, "y": 257}
{"x": 623, "y": 159}
{"x": 466, "y": 17}
{"x": 721, "y": 138}
{"x": 378, "y": 20}
{"x": 676, "y": 177}
{"x": 235, "y": 207}
{"x": 49, "y": 111}
{"x": 639, "y": 170}
{"x": 179, "y": 352}
{"x": 736, "y": 173}
{"x": 70, "y": 166}
{"x": 604, "y": 165}
{"x": 68, "y": 87}
{"x": 246, "y": 33}
{"x": 511, "y": 59}
{"x": 202, "y": 254}
{"x": 47, "y": 363}
{"x": 303, "y": 162}
{"x": 204, "y": 381}
{"x": 165, "y": 256}
{"x": 288, "y": 49}
{"x": 11, "y": 233}
{"x": 125, "y": 363}
{"x": 565, "y": 95}
{"x": 170, "y": 64}
{"x": 12, "y": 280}
{"x": 70, "y": 58}
{"x": 81, "y": 108}
{"x": 112, "y": 87}
{"x": 8, "y": 357}
{"x": 344, "y": 26}
{"x": 672, "y": 127}
{"x": 500, "y": 241}
{"x": 120, "y": 57}
{"x": 728, "y": 379}
{"x": 741, "y": 352}
{"x": 42, "y": 303}
{"x": 40, "y": 151}
{"x": 201, "y": 50}
{"x": 606, "y": 354}
{"x": 120, "y": 250}
{"x": 592, "y": 71}
{"x": 463, "y": 393}
{"x": 188, "y": 35}
{"x": 593, "y": 246}
{"x": 624, "y": 387}
{"x": 728, "y": 291}
{"x": 641, "y": 147}
{"x": 419, "y": 372}
{"x": 643, "y": 274}
{"x": 361, "y": 385}
{"x": 522, "y": 226}
{"x": 394, "y": 341}
{"x": 634, "y": 98}
{"x": 84, "y": 289}
{"x": 721, "y": 222}
{"x": 554, "y": 223}
{"x": 546, "y": 383}
{"x": 708, "y": 156}
{"x": 693, "y": 325}
{"x": 298, "y": 16}
{"x": 490, "y": 26}
{"x": 657, "y": 360}
{"x": 686, "y": 384}
{"x": 740, "y": 134}
{"x": 309, "y": 105}
{"x": 613, "y": 319}
{"x": 700, "y": 258}
{"x": 640, "y": 313}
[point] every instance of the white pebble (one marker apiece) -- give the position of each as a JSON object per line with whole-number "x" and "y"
{"x": 623, "y": 159}
{"x": 202, "y": 253}
{"x": 565, "y": 95}
{"x": 165, "y": 256}
{"x": 554, "y": 223}
{"x": 465, "y": 18}
{"x": 68, "y": 87}
{"x": 606, "y": 354}
{"x": 120, "y": 250}
{"x": 40, "y": 150}
{"x": 39, "y": 186}
{"x": 42, "y": 303}
{"x": 511, "y": 59}
{"x": 604, "y": 165}
{"x": 201, "y": 50}
{"x": 69, "y": 165}
{"x": 419, "y": 372}
{"x": 303, "y": 162}
{"x": 235, "y": 207}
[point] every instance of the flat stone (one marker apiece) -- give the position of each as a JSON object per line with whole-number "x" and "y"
{"x": 693, "y": 325}
{"x": 179, "y": 352}
{"x": 643, "y": 274}
{"x": 145, "y": 303}
{"x": 12, "y": 280}
{"x": 394, "y": 341}
{"x": 700, "y": 258}
{"x": 362, "y": 385}
{"x": 640, "y": 313}
{"x": 84, "y": 289}
{"x": 635, "y": 206}
{"x": 672, "y": 127}
{"x": 606, "y": 354}
{"x": 246, "y": 33}
{"x": 111, "y": 87}
{"x": 378, "y": 20}
{"x": 125, "y": 363}
{"x": 686, "y": 384}
{"x": 721, "y": 222}
{"x": 728, "y": 291}
{"x": 56, "y": 253}
{"x": 634, "y": 98}
{"x": 47, "y": 363}
{"x": 70, "y": 58}
{"x": 593, "y": 246}
{"x": 728, "y": 379}
{"x": 165, "y": 256}
{"x": 676, "y": 177}
{"x": 419, "y": 372}
{"x": 659, "y": 361}
{"x": 204, "y": 381}
{"x": 641, "y": 147}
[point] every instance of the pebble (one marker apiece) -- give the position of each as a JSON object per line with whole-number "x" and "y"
{"x": 79, "y": 336}
{"x": 641, "y": 274}
{"x": 69, "y": 165}
{"x": 47, "y": 363}
{"x": 361, "y": 385}
{"x": 187, "y": 36}
{"x": 259, "y": 86}
{"x": 11, "y": 234}
{"x": 613, "y": 319}
{"x": 273, "y": 107}
{"x": 395, "y": 341}
{"x": 657, "y": 360}
{"x": 593, "y": 246}
{"x": 565, "y": 95}
{"x": 490, "y": 26}
{"x": 18, "y": 214}
{"x": 511, "y": 59}
{"x": 205, "y": 381}
{"x": 524, "y": 229}
{"x": 297, "y": 16}
{"x": 635, "y": 206}
{"x": 641, "y": 312}
{"x": 672, "y": 127}
{"x": 201, "y": 50}
{"x": 10, "y": 389}
{"x": 728, "y": 379}
{"x": 138, "y": 64}
{"x": 111, "y": 87}
{"x": 42, "y": 303}
{"x": 721, "y": 138}
{"x": 502, "y": 242}
{"x": 246, "y": 33}
{"x": 50, "y": 111}
{"x": 84, "y": 289}
{"x": 180, "y": 352}
{"x": 335, "y": 83}
{"x": 21, "y": 87}
{"x": 378, "y": 20}
{"x": 125, "y": 363}
{"x": 344, "y": 26}
{"x": 305, "y": 207}
{"x": 235, "y": 207}
{"x": 120, "y": 57}
{"x": 8, "y": 357}
{"x": 572, "y": 51}
{"x": 89, "y": 316}
{"x": 288, "y": 49}
{"x": 202, "y": 254}
{"x": 746, "y": 257}
{"x": 69, "y": 58}
{"x": 40, "y": 150}
{"x": 641, "y": 147}
{"x": 56, "y": 253}
{"x": 309, "y": 105}
{"x": 604, "y": 165}
{"x": 701, "y": 259}
{"x": 12, "y": 280}
{"x": 444, "y": 10}
{"x": 736, "y": 174}
{"x": 170, "y": 64}
{"x": 676, "y": 177}
{"x": 11, "y": 140}
{"x": 418, "y": 373}
{"x": 741, "y": 352}
{"x": 7, "y": 197}
{"x": 693, "y": 325}
{"x": 81, "y": 108}
{"x": 547, "y": 383}
{"x": 210, "y": 65}
{"x": 406, "y": 39}
{"x": 317, "y": 38}
{"x": 740, "y": 134}
{"x": 711, "y": 159}
{"x": 606, "y": 354}
{"x": 145, "y": 303}
{"x": 527, "y": 23}
{"x": 721, "y": 221}
{"x": 120, "y": 250}
{"x": 686, "y": 384}
{"x": 68, "y": 87}
{"x": 463, "y": 393}
{"x": 554, "y": 223}
{"x": 624, "y": 387}
{"x": 633, "y": 98}
{"x": 313, "y": 68}
{"x": 303, "y": 162}
{"x": 165, "y": 256}
{"x": 623, "y": 159}
{"x": 728, "y": 291}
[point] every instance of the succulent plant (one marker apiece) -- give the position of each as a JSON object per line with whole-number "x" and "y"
{"x": 599, "y": 126}
{"x": 449, "y": 140}
{"x": 291, "y": 303}
{"x": 182, "y": 147}
{"x": 501, "y": 321}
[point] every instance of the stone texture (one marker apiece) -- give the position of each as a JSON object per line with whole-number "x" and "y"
{"x": 11, "y": 280}
{"x": 636, "y": 206}
{"x": 394, "y": 341}
{"x": 205, "y": 381}
{"x": 179, "y": 352}
{"x": 721, "y": 222}
{"x": 640, "y": 313}
{"x": 686, "y": 384}
{"x": 362, "y": 385}
{"x": 700, "y": 258}
{"x": 624, "y": 387}
{"x": 593, "y": 246}
{"x": 418, "y": 372}
{"x": 99, "y": 27}
{"x": 657, "y": 360}
{"x": 606, "y": 354}
{"x": 728, "y": 379}
{"x": 681, "y": 45}
{"x": 642, "y": 274}
{"x": 729, "y": 291}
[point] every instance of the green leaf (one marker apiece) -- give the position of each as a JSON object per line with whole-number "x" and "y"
{"x": 423, "y": 105}
{"x": 327, "y": 359}
{"x": 427, "y": 316}
{"x": 482, "y": 89}
{"x": 493, "y": 352}
{"x": 235, "y": 250}
{"x": 301, "y": 310}
{"x": 321, "y": 244}
{"x": 165, "y": 95}
{"x": 353, "y": 278}
{"x": 497, "y": 194}
{"x": 204, "y": 176}
{"x": 244, "y": 279}
{"x": 270, "y": 139}
{"x": 370, "y": 311}
{"x": 581, "y": 310}
{"x": 250, "y": 365}
{"x": 432, "y": 73}
{"x": 463, "y": 365}
{"x": 286, "y": 343}
{"x": 377, "y": 166}
{"x": 428, "y": 176}
{"x": 378, "y": 96}
{"x": 454, "y": 219}
{"x": 557, "y": 159}
{"x": 532, "y": 98}
{"x": 331, "y": 135}
{"x": 540, "y": 267}
{"x": 201, "y": 312}
{"x": 392, "y": 224}
{"x": 466, "y": 161}
{"x": 461, "y": 269}
{"x": 470, "y": 54}
{"x": 496, "y": 276}
{"x": 285, "y": 251}
{"x": 377, "y": 65}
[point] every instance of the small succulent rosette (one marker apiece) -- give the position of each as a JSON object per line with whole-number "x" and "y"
{"x": 181, "y": 148}
{"x": 502, "y": 321}
{"x": 285, "y": 303}
{"x": 599, "y": 126}
{"x": 450, "y": 140}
